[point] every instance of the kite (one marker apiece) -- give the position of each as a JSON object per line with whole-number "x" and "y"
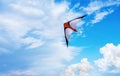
{"x": 69, "y": 27}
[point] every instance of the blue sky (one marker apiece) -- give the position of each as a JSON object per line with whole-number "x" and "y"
{"x": 32, "y": 38}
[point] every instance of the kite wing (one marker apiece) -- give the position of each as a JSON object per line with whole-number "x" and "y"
{"x": 70, "y": 27}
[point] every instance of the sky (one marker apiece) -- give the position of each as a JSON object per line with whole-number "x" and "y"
{"x": 32, "y": 39}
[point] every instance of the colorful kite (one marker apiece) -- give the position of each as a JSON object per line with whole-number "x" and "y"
{"x": 69, "y": 27}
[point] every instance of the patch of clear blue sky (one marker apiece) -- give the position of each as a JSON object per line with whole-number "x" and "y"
{"x": 111, "y": 74}
{"x": 3, "y": 6}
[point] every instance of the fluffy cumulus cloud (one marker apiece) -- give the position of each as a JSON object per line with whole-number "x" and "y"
{"x": 111, "y": 58}
{"x": 80, "y": 69}
{"x": 110, "y": 63}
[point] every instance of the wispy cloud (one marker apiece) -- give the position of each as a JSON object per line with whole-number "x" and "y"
{"x": 99, "y": 16}
{"x": 32, "y": 42}
{"x": 19, "y": 73}
{"x": 27, "y": 10}
{"x": 98, "y": 5}
{"x": 100, "y": 9}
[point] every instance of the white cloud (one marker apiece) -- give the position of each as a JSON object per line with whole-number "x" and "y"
{"x": 13, "y": 24}
{"x": 27, "y": 10}
{"x": 110, "y": 63}
{"x": 111, "y": 58}
{"x": 47, "y": 31}
{"x": 32, "y": 42}
{"x": 99, "y": 16}
{"x": 93, "y": 6}
{"x": 80, "y": 69}
{"x": 19, "y": 73}
{"x": 57, "y": 10}
{"x": 52, "y": 61}
{"x": 97, "y": 5}
{"x": 100, "y": 9}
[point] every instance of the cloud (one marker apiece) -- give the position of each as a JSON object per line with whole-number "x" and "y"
{"x": 98, "y": 5}
{"x": 111, "y": 58}
{"x": 100, "y": 9}
{"x": 93, "y": 6}
{"x": 27, "y": 10}
{"x": 109, "y": 64}
{"x": 99, "y": 16}
{"x": 35, "y": 30}
{"x": 57, "y": 10}
{"x": 80, "y": 69}
{"x": 53, "y": 60}
{"x": 32, "y": 42}
{"x": 19, "y": 73}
